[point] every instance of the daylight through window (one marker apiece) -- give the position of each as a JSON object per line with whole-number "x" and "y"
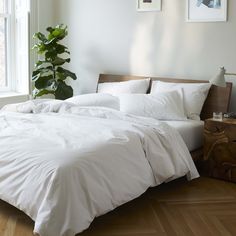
{"x": 14, "y": 45}
{"x": 4, "y": 16}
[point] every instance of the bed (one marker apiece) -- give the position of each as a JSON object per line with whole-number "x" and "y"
{"x": 218, "y": 99}
{"x": 67, "y": 167}
{"x": 191, "y": 131}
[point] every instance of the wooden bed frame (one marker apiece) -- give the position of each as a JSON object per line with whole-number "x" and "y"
{"x": 218, "y": 98}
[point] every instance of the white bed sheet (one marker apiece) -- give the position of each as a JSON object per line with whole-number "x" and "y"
{"x": 191, "y": 132}
{"x": 65, "y": 168}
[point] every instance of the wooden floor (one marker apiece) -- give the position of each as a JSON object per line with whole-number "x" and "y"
{"x": 201, "y": 207}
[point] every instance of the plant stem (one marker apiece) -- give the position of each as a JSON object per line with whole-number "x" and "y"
{"x": 54, "y": 72}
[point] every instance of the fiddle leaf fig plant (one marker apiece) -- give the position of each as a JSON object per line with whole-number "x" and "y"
{"x": 49, "y": 76}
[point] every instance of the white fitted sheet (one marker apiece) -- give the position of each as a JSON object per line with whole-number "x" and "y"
{"x": 191, "y": 132}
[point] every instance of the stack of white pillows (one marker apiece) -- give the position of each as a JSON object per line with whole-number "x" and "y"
{"x": 167, "y": 101}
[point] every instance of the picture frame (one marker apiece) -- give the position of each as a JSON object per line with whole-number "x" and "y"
{"x": 148, "y": 5}
{"x": 206, "y": 10}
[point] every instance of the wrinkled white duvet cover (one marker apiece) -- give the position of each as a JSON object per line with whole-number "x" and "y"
{"x": 65, "y": 168}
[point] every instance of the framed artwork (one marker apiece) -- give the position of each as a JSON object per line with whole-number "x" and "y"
{"x": 148, "y": 5}
{"x": 206, "y": 10}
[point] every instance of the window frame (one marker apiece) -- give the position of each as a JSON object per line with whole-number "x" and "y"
{"x": 8, "y": 17}
{"x": 14, "y": 83}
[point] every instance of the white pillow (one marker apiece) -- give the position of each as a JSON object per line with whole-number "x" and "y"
{"x": 162, "y": 106}
{"x": 195, "y": 95}
{"x": 131, "y": 86}
{"x": 96, "y": 99}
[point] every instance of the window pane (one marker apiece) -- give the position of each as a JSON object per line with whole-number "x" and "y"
{"x": 2, "y": 53}
{"x": 2, "y": 6}
{"x": 21, "y": 4}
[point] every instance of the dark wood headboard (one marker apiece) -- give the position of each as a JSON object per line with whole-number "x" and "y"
{"x": 218, "y": 98}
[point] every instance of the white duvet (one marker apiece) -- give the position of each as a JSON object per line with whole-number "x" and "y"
{"x": 66, "y": 167}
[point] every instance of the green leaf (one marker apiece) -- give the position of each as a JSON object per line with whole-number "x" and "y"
{"x": 51, "y": 41}
{"x": 45, "y": 65}
{"x": 46, "y": 69}
{"x": 60, "y": 48}
{"x": 61, "y": 76}
{"x": 39, "y": 93}
{"x": 41, "y": 72}
{"x": 40, "y": 36}
{"x": 41, "y": 48}
{"x": 36, "y": 72}
{"x": 39, "y": 63}
{"x": 35, "y": 77}
{"x": 48, "y": 75}
{"x": 58, "y": 33}
{"x": 67, "y": 73}
{"x": 60, "y": 61}
{"x": 51, "y": 55}
{"x": 44, "y": 82}
{"x": 63, "y": 91}
{"x": 50, "y": 29}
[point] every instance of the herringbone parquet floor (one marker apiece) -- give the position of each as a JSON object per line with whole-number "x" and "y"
{"x": 203, "y": 207}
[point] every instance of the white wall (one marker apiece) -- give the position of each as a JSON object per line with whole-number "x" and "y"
{"x": 110, "y": 36}
{"x": 43, "y": 15}
{"x": 46, "y": 13}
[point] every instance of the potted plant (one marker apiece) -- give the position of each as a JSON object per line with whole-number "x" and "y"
{"x": 49, "y": 76}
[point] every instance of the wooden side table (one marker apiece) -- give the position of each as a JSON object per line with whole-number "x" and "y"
{"x": 220, "y": 148}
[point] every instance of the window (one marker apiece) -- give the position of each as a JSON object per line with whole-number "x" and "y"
{"x": 4, "y": 18}
{"x": 14, "y": 41}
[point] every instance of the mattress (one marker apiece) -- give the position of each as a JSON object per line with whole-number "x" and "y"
{"x": 191, "y": 132}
